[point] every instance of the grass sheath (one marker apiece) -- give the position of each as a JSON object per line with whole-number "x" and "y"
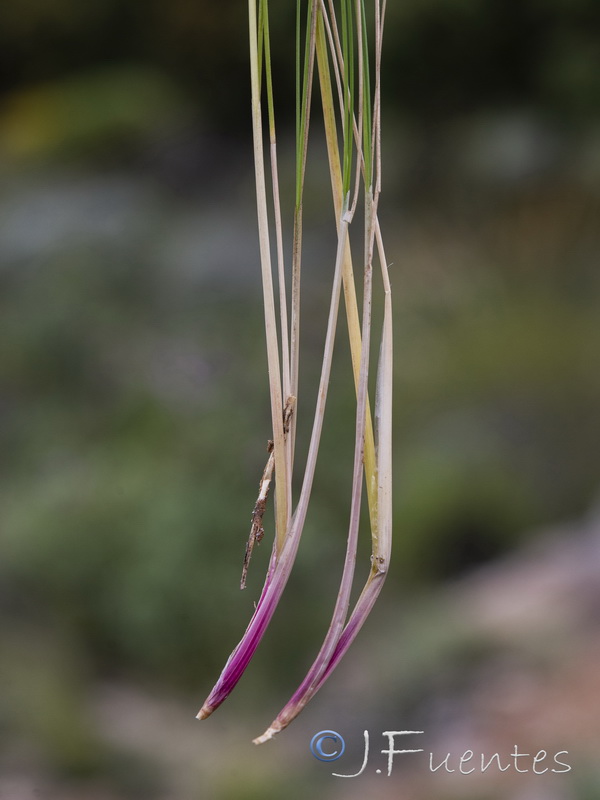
{"x": 354, "y": 161}
{"x": 279, "y": 571}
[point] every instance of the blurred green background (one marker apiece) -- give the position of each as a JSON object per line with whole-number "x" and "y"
{"x": 134, "y": 406}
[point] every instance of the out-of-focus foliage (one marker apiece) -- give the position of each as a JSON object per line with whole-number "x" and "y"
{"x": 90, "y": 113}
{"x": 441, "y": 55}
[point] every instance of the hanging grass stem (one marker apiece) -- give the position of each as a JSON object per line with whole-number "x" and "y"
{"x": 357, "y": 164}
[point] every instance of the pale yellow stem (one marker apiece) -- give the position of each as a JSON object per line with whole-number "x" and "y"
{"x": 352, "y": 314}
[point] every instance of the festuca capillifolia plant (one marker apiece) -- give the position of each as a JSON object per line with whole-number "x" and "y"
{"x": 338, "y": 60}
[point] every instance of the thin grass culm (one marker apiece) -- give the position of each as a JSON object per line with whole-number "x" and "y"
{"x": 341, "y": 42}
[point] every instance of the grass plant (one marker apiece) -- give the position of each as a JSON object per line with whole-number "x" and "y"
{"x": 330, "y": 39}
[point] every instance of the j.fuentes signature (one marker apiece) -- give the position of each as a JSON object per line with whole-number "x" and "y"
{"x": 330, "y": 745}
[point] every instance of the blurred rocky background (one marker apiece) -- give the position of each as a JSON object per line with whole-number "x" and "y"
{"x": 134, "y": 407}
